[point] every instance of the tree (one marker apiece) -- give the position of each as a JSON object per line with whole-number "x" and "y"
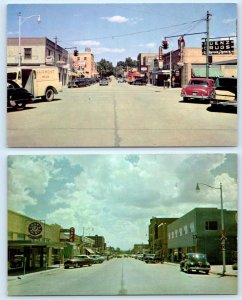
{"x": 105, "y": 68}
{"x": 130, "y": 62}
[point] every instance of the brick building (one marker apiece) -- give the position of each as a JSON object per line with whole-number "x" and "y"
{"x": 83, "y": 64}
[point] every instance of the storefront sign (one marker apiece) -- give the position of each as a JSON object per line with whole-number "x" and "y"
{"x": 219, "y": 47}
{"x": 35, "y": 230}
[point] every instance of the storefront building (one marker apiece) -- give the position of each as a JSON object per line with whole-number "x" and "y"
{"x": 38, "y": 52}
{"x": 33, "y": 242}
{"x": 158, "y": 235}
{"x": 190, "y": 62}
{"x": 200, "y": 231}
{"x": 83, "y": 64}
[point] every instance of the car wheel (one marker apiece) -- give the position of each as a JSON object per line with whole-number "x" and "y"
{"x": 181, "y": 269}
{"x": 17, "y": 105}
{"x": 187, "y": 269}
{"x": 66, "y": 267}
{"x": 185, "y": 99}
{"x": 206, "y": 272}
{"x": 76, "y": 265}
{"x": 49, "y": 95}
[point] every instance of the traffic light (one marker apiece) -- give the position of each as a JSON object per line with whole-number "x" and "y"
{"x": 165, "y": 44}
{"x": 75, "y": 52}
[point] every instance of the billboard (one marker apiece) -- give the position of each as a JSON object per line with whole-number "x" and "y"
{"x": 219, "y": 47}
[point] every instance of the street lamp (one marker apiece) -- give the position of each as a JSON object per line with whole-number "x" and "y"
{"x": 222, "y": 221}
{"x": 21, "y": 20}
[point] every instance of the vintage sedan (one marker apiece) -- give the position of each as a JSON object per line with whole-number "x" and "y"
{"x": 152, "y": 259}
{"x": 104, "y": 81}
{"x": 97, "y": 259}
{"x": 198, "y": 89}
{"x": 17, "y": 97}
{"x": 225, "y": 94}
{"x": 195, "y": 262}
{"x": 78, "y": 261}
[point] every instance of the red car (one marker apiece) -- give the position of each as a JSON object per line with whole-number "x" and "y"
{"x": 199, "y": 89}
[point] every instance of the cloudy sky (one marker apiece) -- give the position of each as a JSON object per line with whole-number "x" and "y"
{"x": 115, "y": 31}
{"x": 116, "y": 195}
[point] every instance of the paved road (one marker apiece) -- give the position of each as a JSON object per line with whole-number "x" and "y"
{"x": 120, "y": 115}
{"x": 125, "y": 276}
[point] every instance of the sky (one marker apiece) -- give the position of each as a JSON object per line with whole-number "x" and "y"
{"x": 116, "y": 31}
{"x": 116, "y": 195}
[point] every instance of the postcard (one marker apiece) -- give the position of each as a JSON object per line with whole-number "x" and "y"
{"x": 115, "y": 225}
{"x": 122, "y": 75}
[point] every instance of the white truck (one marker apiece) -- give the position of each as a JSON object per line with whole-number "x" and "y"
{"x": 40, "y": 81}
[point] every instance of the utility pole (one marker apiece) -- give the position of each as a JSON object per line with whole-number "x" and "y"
{"x": 207, "y": 45}
{"x": 55, "y": 50}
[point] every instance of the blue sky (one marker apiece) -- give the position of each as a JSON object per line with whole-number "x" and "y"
{"x": 116, "y": 195}
{"x": 116, "y": 31}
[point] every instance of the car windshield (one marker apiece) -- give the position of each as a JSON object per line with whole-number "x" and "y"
{"x": 198, "y": 257}
{"x": 198, "y": 82}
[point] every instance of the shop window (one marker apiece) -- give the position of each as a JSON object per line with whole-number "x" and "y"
{"x": 211, "y": 225}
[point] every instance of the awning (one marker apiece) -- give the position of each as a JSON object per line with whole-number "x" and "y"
{"x": 89, "y": 250}
{"x": 201, "y": 72}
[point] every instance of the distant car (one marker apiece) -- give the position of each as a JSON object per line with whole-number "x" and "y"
{"x": 121, "y": 80}
{"x": 104, "y": 81}
{"x": 97, "y": 259}
{"x": 17, "y": 97}
{"x": 78, "y": 261}
{"x": 140, "y": 81}
{"x": 152, "y": 258}
{"x": 195, "y": 262}
{"x": 225, "y": 94}
{"x": 199, "y": 89}
{"x": 79, "y": 82}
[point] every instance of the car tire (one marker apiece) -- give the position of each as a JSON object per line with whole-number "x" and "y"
{"x": 49, "y": 94}
{"x": 187, "y": 269}
{"x": 17, "y": 105}
{"x": 66, "y": 267}
{"x": 185, "y": 99}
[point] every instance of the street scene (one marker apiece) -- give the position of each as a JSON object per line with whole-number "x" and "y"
{"x": 120, "y": 115}
{"x": 108, "y": 75}
{"x": 122, "y": 276}
{"x": 135, "y": 224}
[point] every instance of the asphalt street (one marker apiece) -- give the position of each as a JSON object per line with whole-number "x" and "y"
{"x": 120, "y": 115}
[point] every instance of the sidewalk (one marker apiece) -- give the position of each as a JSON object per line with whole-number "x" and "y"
{"x": 219, "y": 270}
{"x": 216, "y": 269}
{"x": 19, "y": 274}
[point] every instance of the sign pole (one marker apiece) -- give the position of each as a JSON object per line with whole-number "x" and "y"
{"x": 207, "y": 46}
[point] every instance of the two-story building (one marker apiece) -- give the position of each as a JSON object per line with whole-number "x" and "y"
{"x": 158, "y": 235}
{"x": 200, "y": 231}
{"x": 38, "y": 52}
{"x": 83, "y": 64}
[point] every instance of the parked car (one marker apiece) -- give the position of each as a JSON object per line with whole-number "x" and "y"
{"x": 199, "y": 89}
{"x": 121, "y": 80}
{"x": 104, "y": 81}
{"x": 79, "y": 82}
{"x": 97, "y": 259}
{"x": 152, "y": 258}
{"x": 78, "y": 261}
{"x": 140, "y": 81}
{"x": 195, "y": 262}
{"x": 225, "y": 94}
{"x": 17, "y": 97}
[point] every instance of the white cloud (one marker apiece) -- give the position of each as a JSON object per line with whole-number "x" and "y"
{"x": 88, "y": 43}
{"x": 228, "y": 21}
{"x": 116, "y": 19}
{"x": 149, "y": 45}
{"x": 108, "y": 50}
